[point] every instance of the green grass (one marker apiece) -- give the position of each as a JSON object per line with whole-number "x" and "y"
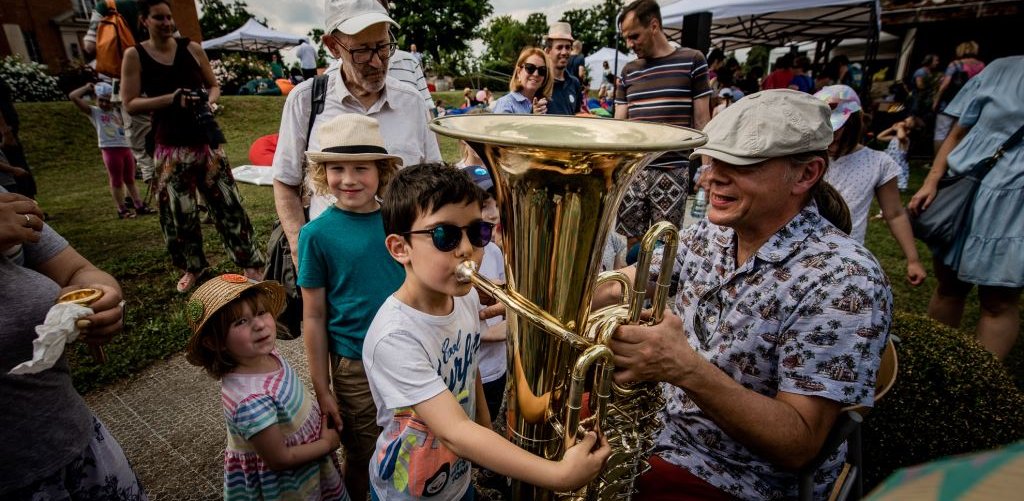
{"x": 61, "y": 147}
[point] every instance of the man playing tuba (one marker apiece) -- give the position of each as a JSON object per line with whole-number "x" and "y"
{"x": 784, "y": 317}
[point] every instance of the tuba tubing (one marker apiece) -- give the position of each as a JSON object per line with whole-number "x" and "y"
{"x": 669, "y": 234}
{"x": 467, "y": 272}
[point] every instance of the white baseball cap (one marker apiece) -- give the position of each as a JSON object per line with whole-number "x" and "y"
{"x": 352, "y": 16}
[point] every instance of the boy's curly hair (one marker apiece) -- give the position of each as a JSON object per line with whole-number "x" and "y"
{"x": 386, "y": 170}
{"x": 423, "y": 189}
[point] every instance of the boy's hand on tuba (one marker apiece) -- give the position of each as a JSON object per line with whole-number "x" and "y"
{"x": 581, "y": 462}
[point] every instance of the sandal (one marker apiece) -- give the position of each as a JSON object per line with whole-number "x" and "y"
{"x": 187, "y": 282}
{"x": 125, "y": 213}
{"x": 143, "y": 209}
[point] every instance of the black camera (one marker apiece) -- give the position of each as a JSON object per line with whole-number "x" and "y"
{"x": 199, "y": 102}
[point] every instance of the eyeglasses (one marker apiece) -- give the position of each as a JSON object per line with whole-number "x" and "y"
{"x": 447, "y": 237}
{"x": 533, "y": 68}
{"x": 363, "y": 56}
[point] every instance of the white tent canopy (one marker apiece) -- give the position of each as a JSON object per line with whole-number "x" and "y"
{"x": 254, "y": 37}
{"x": 595, "y": 67}
{"x": 737, "y": 24}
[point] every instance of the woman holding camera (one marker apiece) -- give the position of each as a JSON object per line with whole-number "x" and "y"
{"x": 175, "y": 77}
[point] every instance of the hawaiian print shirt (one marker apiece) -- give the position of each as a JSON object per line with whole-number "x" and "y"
{"x": 808, "y": 314}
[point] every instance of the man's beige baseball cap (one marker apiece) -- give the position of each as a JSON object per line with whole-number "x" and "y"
{"x": 769, "y": 124}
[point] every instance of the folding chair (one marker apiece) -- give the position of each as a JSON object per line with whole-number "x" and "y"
{"x": 847, "y": 428}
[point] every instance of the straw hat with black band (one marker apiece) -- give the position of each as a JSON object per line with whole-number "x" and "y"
{"x": 350, "y": 138}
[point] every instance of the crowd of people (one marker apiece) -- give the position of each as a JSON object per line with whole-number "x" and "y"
{"x": 779, "y": 319}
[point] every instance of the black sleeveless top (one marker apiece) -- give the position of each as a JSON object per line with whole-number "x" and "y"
{"x": 174, "y": 125}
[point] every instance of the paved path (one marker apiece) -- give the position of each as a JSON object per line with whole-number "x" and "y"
{"x": 170, "y": 422}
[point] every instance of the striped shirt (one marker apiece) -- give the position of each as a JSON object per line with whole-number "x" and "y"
{"x": 663, "y": 90}
{"x": 253, "y": 403}
{"x": 406, "y": 68}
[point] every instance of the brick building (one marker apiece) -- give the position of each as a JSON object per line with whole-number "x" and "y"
{"x": 51, "y": 31}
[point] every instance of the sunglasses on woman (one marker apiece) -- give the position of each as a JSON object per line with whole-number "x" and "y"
{"x": 533, "y": 68}
{"x": 447, "y": 237}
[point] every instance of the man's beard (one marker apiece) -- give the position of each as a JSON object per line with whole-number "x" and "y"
{"x": 370, "y": 81}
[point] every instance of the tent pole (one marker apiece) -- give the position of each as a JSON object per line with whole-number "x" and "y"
{"x": 872, "y": 53}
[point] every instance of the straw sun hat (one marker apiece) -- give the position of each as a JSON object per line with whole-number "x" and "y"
{"x": 218, "y": 292}
{"x": 350, "y": 137}
{"x": 560, "y": 31}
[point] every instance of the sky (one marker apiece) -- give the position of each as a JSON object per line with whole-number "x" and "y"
{"x": 297, "y": 17}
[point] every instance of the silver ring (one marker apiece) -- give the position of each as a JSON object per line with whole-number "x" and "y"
{"x": 28, "y": 219}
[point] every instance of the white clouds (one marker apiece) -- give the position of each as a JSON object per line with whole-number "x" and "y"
{"x": 521, "y": 9}
{"x": 298, "y": 17}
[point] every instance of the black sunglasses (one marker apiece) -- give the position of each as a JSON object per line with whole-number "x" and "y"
{"x": 533, "y": 68}
{"x": 447, "y": 237}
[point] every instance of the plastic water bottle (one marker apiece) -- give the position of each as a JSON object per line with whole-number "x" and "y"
{"x": 700, "y": 204}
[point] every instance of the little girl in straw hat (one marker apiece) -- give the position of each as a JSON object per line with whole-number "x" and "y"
{"x": 279, "y": 445}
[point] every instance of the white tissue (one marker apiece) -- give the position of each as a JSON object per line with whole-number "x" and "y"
{"x": 57, "y": 330}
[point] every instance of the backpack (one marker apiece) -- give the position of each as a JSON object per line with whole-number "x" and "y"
{"x": 112, "y": 38}
{"x": 279, "y": 254}
{"x": 956, "y": 82}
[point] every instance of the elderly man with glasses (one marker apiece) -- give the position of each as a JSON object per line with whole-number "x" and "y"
{"x": 358, "y": 32}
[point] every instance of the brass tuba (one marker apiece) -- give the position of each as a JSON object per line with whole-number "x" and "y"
{"x": 559, "y": 181}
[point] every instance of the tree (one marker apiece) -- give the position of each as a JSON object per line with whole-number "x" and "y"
{"x": 537, "y": 27}
{"x": 440, "y": 24}
{"x": 758, "y": 56}
{"x": 504, "y": 37}
{"x": 596, "y": 27}
{"x": 220, "y": 18}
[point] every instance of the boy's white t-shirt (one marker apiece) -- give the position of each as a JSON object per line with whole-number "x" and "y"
{"x": 109, "y": 127}
{"x": 411, "y": 357}
{"x": 493, "y": 354}
{"x": 856, "y": 177}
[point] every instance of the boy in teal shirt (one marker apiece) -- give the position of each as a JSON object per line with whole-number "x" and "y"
{"x": 346, "y": 273}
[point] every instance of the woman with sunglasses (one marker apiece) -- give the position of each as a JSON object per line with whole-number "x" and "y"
{"x": 530, "y": 85}
{"x": 178, "y": 83}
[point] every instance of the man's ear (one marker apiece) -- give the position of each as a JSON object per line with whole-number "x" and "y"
{"x": 333, "y": 45}
{"x": 808, "y": 174}
{"x": 398, "y": 247}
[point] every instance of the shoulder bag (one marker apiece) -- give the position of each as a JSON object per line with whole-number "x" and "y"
{"x": 946, "y": 217}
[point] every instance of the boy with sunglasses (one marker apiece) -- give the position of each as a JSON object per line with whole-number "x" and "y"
{"x": 421, "y": 354}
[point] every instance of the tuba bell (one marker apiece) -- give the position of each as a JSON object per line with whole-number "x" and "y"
{"x": 559, "y": 181}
